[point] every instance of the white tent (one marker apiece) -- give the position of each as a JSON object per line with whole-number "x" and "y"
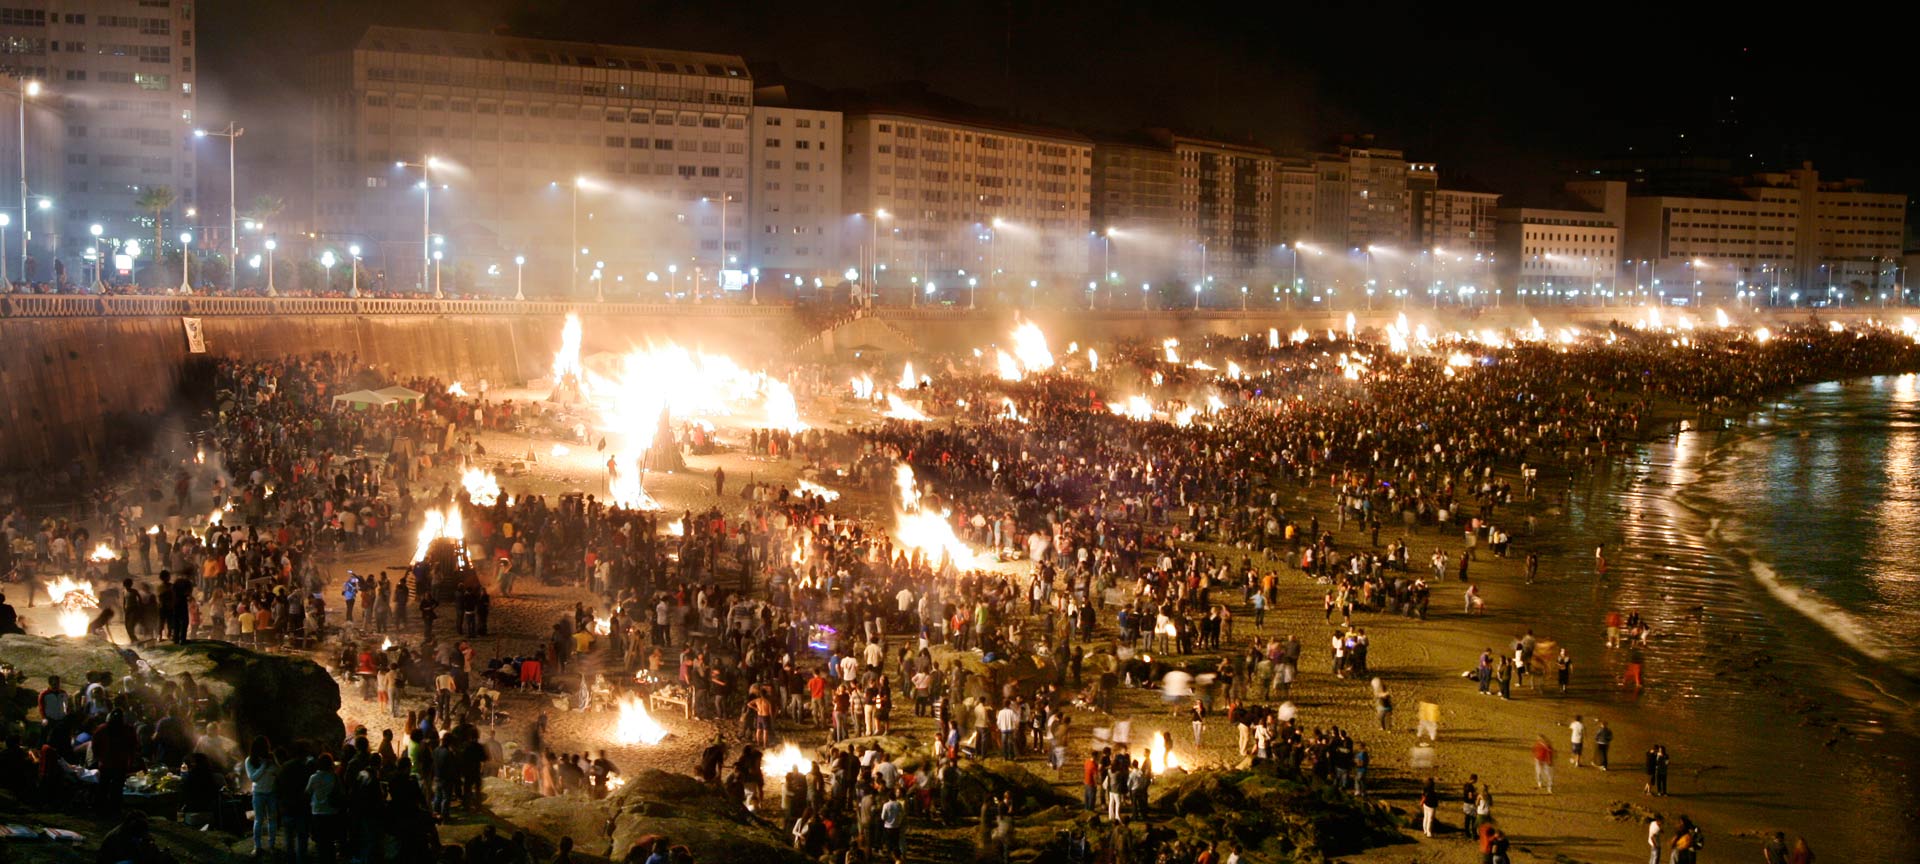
{"x": 400, "y": 394}
{"x": 360, "y": 399}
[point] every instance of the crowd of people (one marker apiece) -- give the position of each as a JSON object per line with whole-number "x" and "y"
{"x": 1148, "y": 538}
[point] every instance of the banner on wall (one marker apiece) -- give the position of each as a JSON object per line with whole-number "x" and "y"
{"x": 196, "y": 337}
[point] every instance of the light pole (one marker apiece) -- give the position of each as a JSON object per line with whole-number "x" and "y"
{"x": 519, "y": 277}
{"x": 353, "y": 252}
{"x": 673, "y": 271}
{"x": 1293, "y": 272}
{"x": 5, "y": 220}
{"x": 1197, "y": 288}
{"x": 426, "y": 219}
{"x": 599, "y": 283}
{"x": 437, "y": 255}
{"x": 573, "y": 247}
{"x": 29, "y": 88}
{"x": 1146, "y": 289}
{"x": 272, "y": 244}
{"x": 327, "y": 260}
{"x": 973, "y": 289}
{"x": 753, "y": 273}
{"x": 232, "y": 135}
{"x": 186, "y": 262}
{"x": 99, "y": 282}
{"x": 993, "y": 252}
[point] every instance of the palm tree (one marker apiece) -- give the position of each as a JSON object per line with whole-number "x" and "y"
{"x": 265, "y": 208}
{"x": 156, "y": 200}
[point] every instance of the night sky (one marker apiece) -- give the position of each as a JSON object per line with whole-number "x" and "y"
{"x": 1495, "y": 95}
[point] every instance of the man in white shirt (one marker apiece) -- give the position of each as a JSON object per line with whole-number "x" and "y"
{"x": 1653, "y": 840}
{"x": 1577, "y": 734}
{"x": 1008, "y": 721}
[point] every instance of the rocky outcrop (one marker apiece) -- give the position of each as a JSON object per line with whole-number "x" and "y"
{"x": 282, "y": 697}
{"x": 653, "y": 804}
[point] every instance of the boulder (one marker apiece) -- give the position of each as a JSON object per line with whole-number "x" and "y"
{"x": 688, "y": 812}
{"x": 37, "y": 657}
{"x": 981, "y": 779}
{"x": 282, "y": 697}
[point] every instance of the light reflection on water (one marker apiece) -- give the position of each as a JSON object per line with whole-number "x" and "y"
{"x": 1757, "y": 555}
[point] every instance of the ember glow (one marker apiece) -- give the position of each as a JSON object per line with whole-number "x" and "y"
{"x": 907, "y": 379}
{"x": 1171, "y": 347}
{"x": 566, "y": 362}
{"x": 863, "y": 387}
{"x": 75, "y": 600}
{"x": 1093, "y": 360}
{"x": 102, "y": 553}
{"x": 1134, "y": 408}
{"x": 561, "y": 450}
{"x": 775, "y": 764}
{"x": 635, "y": 725}
{"x": 455, "y": 389}
{"x": 1007, "y": 367}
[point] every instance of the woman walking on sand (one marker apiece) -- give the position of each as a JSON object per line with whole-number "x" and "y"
{"x": 1429, "y": 801}
{"x": 1563, "y": 669}
{"x": 1506, "y": 679}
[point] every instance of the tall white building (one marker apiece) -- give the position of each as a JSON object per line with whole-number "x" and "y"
{"x": 1008, "y": 204}
{"x": 114, "y": 115}
{"x": 793, "y": 232}
{"x": 1554, "y": 255}
{"x": 655, "y": 139}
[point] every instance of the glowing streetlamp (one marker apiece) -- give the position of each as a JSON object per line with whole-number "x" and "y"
{"x": 673, "y": 275}
{"x": 426, "y": 219}
{"x": 437, "y": 255}
{"x": 353, "y": 252}
{"x": 29, "y": 88}
{"x": 272, "y": 244}
{"x": 327, "y": 260}
{"x": 232, "y": 135}
{"x": 186, "y": 262}
{"x": 973, "y": 286}
{"x": 519, "y": 277}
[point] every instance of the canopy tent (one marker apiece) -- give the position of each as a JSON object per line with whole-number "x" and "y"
{"x": 358, "y": 400}
{"x": 400, "y": 394}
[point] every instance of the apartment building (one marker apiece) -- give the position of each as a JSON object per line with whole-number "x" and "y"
{"x": 1553, "y": 255}
{"x": 540, "y": 149}
{"x": 1361, "y": 196}
{"x": 1009, "y": 204}
{"x": 113, "y": 115}
{"x": 797, "y": 217}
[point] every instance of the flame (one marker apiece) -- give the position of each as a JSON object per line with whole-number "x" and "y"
{"x": 1162, "y": 758}
{"x": 1397, "y": 335}
{"x": 635, "y": 725}
{"x": 455, "y": 389}
{"x": 153, "y": 530}
{"x": 1184, "y": 416}
{"x": 1215, "y": 404}
{"x": 1093, "y": 360}
{"x": 782, "y": 411}
{"x": 482, "y": 487}
{"x": 816, "y": 490}
{"x": 74, "y": 598}
{"x": 1134, "y": 408}
{"x": 1008, "y": 367}
{"x": 1349, "y": 325}
{"x": 561, "y": 450}
{"x": 103, "y": 552}
{"x": 907, "y": 379}
{"x": 439, "y": 524}
{"x": 1010, "y": 411}
{"x": 200, "y": 457}
{"x": 1568, "y": 335}
{"x": 1836, "y": 327}
{"x": 1720, "y": 318}
{"x": 928, "y": 532}
{"x": 1201, "y": 365}
{"x": 1460, "y": 359}
{"x": 386, "y": 643}
{"x": 863, "y": 387}
{"x": 898, "y": 409}
{"x": 775, "y": 764}
{"x": 602, "y": 626}
{"x": 1172, "y": 348}
{"x": 1030, "y": 347}
{"x": 1299, "y": 335}
{"x": 566, "y": 362}
{"x": 677, "y": 528}
{"x": 1273, "y": 337}
{"x": 1234, "y": 371}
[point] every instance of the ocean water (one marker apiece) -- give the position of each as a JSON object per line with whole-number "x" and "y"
{"x": 1777, "y": 559}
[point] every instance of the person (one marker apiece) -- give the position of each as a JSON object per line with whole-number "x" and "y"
{"x": 1774, "y": 851}
{"x": 1563, "y": 669}
{"x": 1542, "y": 764}
{"x": 325, "y": 814}
{"x": 1687, "y": 842}
{"x": 1653, "y": 839}
{"x": 261, "y": 768}
{"x": 1429, "y": 801}
{"x": 1660, "y": 771}
{"x": 131, "y": 842}
{"x": 116, "y": 753}
{"x": 1382, "y": 705}
{"x": 1469, "y": 804}
{"x": 1801, "y": 852}
{"x": 1576, "y": 735}
{"x": 1602, "y": 739}
{"x": 1652, "y": 767}
{"x": 1429, "y": 722}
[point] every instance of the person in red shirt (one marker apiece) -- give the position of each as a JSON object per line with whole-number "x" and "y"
{"x": 1542, "y": 764}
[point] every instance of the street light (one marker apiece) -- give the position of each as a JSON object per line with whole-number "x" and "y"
{"x": 354, "y": 252}
{"x": 272, "y": 244}
{"x": 327, "y": 260}
{"x": 186, "y": 258}
{"x": 754, "y": 274}
{"x": 673, "y": 273}
{"x": 973, "y": 286}
{"x": 426, "y": 217}
{"x": 232, "y": 135}
{"x": 99, "y": 281}
{"x": 519, "y": 277}
{"x": 29, "y": 88}
{"x": 437, "y": 255}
